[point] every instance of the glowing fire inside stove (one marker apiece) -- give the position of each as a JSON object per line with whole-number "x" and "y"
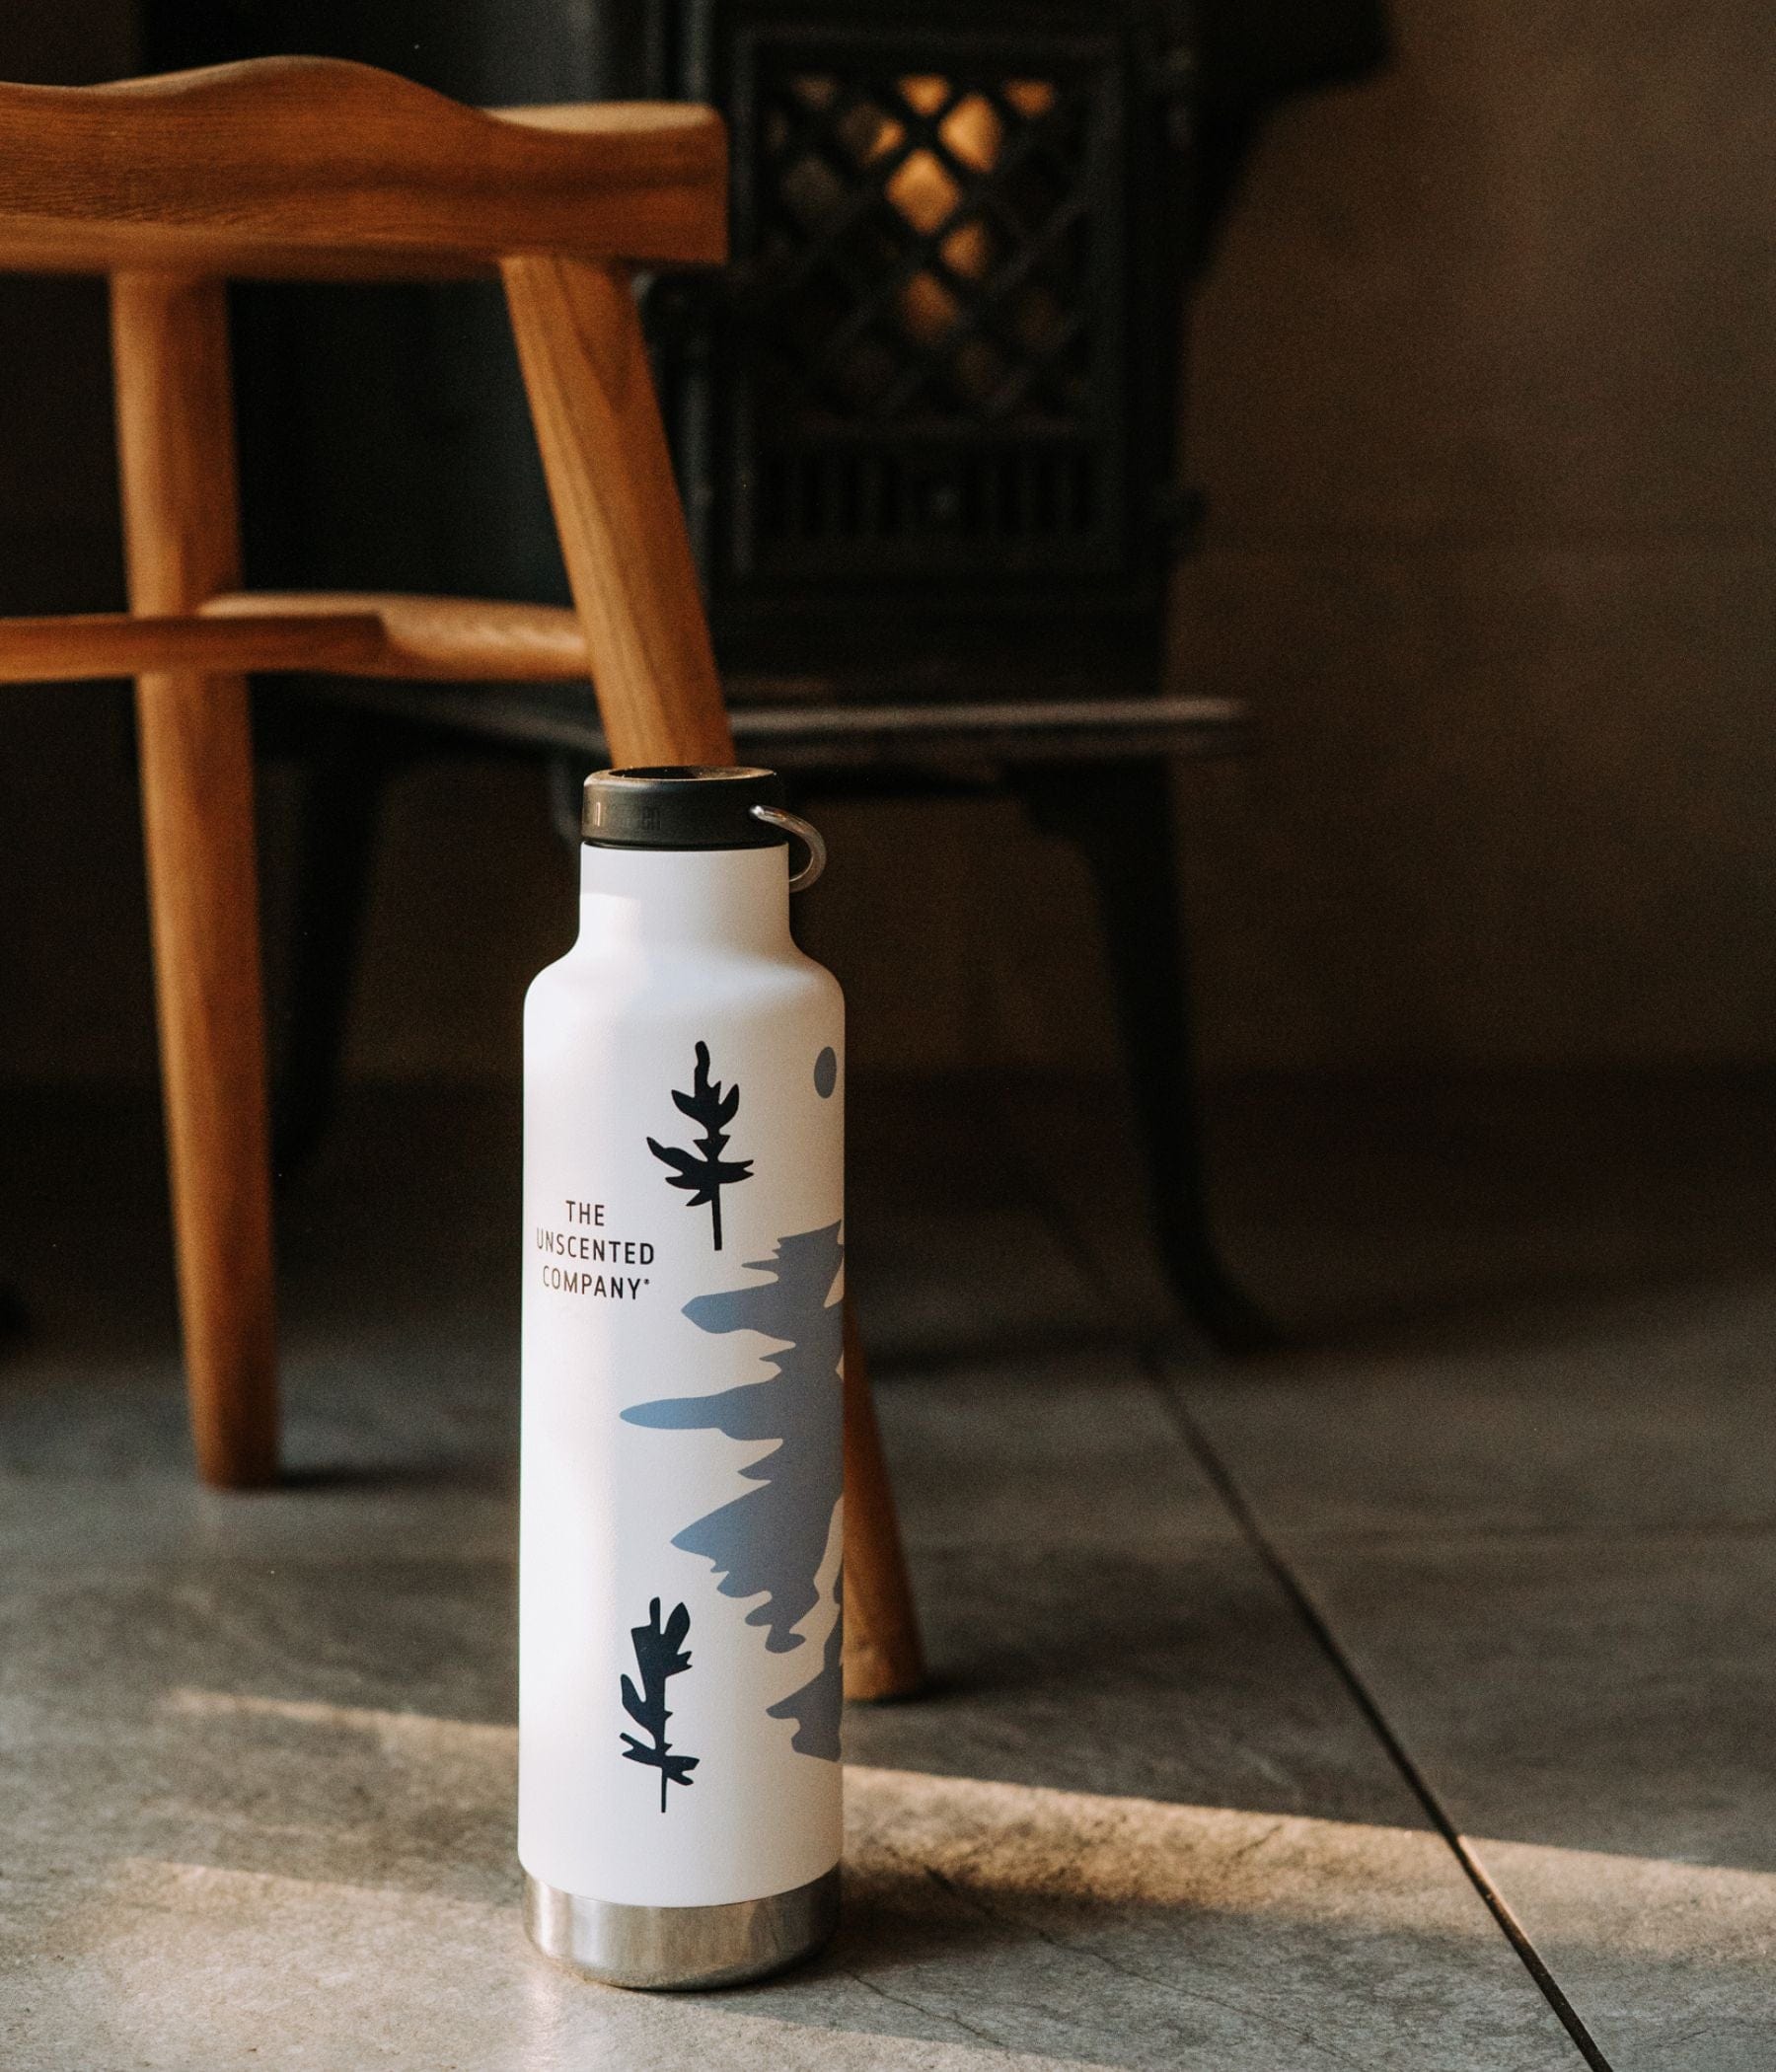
{"x": 930, "y": 186}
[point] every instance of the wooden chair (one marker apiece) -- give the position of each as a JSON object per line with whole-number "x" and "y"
{"x": 314, "y": 169}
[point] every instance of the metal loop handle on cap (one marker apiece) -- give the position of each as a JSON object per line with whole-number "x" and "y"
{"x": 810, "y": 839}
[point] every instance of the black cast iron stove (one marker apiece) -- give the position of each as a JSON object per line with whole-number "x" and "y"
{"x": 926, "y": 417}
{"x": 925, "y": 426}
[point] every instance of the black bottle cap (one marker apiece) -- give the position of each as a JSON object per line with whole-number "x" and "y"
{"x": 681, "y": 806}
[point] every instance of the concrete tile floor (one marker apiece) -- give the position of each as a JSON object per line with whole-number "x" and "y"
{"x": 1225, "y": 1661}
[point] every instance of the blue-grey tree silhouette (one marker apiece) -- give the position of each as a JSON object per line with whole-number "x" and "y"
{"x": 816, "y": 1705}
{"x": 770, "y": 1541}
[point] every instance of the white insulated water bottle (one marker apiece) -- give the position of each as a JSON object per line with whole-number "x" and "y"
{"x": 680, "y": 1667}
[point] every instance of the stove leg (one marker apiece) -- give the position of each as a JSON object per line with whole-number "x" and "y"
{"x": 342, "y": 790}
{"x": 1120, "y": 815}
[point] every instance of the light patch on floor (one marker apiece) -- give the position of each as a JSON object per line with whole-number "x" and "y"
{"x": 1009, "y": 1842}
{"x": 401, "y": 1735}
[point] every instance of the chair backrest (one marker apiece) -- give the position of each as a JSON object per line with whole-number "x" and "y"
{"x": 312, "y": 168}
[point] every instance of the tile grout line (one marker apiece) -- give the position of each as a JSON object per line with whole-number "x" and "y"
{"x": 1222, "y": 1482}
{"x": 1221, "y": 1479}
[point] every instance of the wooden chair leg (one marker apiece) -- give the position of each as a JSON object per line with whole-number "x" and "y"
{"x": 617, "y": 510}
{"x": 635, "y": 584}
{"x": 175, "y": 450}
{"x": 882, "y": 1655}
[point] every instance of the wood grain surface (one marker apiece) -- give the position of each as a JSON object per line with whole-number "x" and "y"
{"x": 883, "y": 1657}
{"x": 313, "y": 167}
{"x": 617, "y": 511}
{"x": 175, "y": 452}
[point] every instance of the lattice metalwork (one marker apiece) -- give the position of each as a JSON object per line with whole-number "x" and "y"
{"x": 933, "y": 313}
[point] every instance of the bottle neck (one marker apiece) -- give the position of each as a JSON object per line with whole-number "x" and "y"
{"x": 729, "y": 899}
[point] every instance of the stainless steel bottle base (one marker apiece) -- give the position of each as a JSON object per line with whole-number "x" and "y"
{"x": 663, "y": 1947}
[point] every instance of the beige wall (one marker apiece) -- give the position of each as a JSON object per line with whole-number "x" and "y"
{"x": 1485, "y": 403}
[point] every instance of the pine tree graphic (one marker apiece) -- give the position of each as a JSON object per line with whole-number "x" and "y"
{"x": 704, "y": 1178}
{"x": 659, "y": 1654}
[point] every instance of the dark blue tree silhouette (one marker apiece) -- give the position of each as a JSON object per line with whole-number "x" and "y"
{"x": 773, "y": 1539}
{"x": 704, "y": 1178}
{"x": 659, "y": 1654}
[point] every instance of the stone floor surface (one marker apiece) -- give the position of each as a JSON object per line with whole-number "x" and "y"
{"x": 1398, "y": 1700}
